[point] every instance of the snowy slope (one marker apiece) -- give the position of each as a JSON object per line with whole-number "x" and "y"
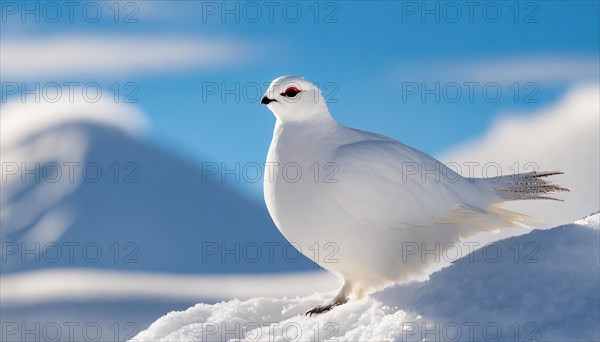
{"x": 544, "y": 286}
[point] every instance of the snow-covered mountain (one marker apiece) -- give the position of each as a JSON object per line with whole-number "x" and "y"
{"x": 542, "y": 286}
{"x": 98, "y": 225}
{"x": 74, "y": 187}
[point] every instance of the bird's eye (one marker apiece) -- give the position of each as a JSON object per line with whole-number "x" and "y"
{"x": 291, "y": 92}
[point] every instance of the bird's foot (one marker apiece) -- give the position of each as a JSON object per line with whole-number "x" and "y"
{"x": 317, "y": 310}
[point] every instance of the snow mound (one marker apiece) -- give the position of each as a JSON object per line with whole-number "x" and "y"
{"x": 544, "y": 285}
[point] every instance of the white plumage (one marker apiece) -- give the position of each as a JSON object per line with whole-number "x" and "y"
{"x": 355, "y": 201}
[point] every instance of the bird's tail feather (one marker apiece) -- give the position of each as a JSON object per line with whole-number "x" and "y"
{"x": 508, "y": 218}
{"x": 472, "y": 219}
{"x": 490, "y": 218}
{"x": 525, "y": 186}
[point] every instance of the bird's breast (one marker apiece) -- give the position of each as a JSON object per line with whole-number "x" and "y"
{"x": 297, "y": 175}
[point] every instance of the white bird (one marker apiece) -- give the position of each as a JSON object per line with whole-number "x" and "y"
{"x": 359, "y": 203}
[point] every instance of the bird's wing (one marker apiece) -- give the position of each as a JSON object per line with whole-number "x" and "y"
{"x": 385, "y": 184}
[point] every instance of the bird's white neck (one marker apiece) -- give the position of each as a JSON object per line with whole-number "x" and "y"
{"x": 318, "y": 120}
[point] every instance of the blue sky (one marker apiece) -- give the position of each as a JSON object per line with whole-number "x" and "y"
{"x": 367, "y": 56}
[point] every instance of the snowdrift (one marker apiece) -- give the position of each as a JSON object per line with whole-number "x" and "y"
{"x": 544, "y": 286}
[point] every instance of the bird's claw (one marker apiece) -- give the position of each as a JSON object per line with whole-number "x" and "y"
{"x": 317, "y": 310}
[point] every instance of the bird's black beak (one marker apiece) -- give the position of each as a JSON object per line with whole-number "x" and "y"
{"x": 265, "y": 100}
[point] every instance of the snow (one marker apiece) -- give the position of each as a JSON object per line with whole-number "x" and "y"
{"x": 23, "y": 119}
{"x": 544, "y": 285}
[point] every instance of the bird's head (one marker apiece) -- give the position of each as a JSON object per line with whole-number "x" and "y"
{"x": 293, "y": 98}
